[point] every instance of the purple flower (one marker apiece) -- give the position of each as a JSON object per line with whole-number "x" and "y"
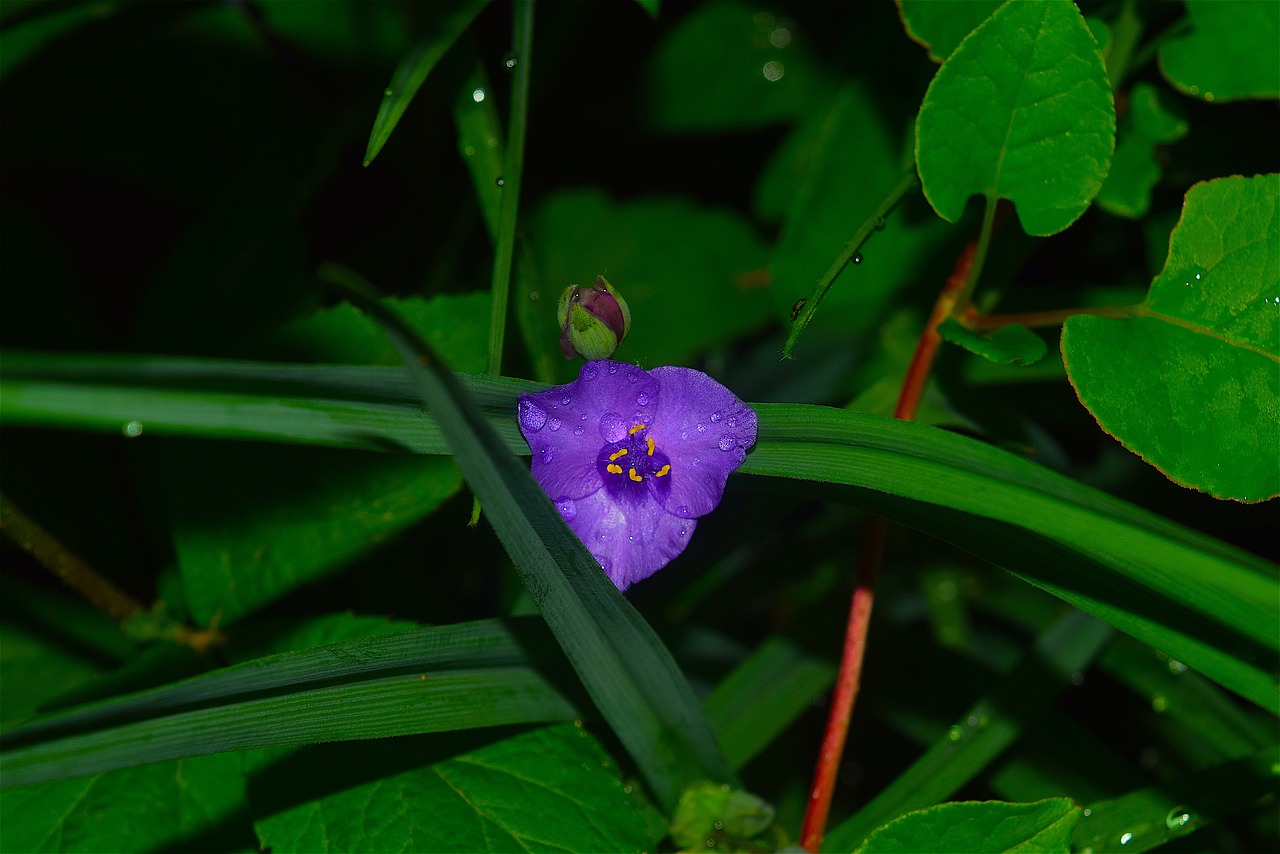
{"x": 633, "y": 458}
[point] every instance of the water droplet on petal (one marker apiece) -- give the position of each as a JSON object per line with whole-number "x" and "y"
{"x": 546, "y": 456}
{"x": 633, "y": 376}
{"x": 532, "y": 416}
{"x": 553, "y": 425}
{"x": 683, "y": 511}
{"x": 612, "y": 427}
{"x": 733, "y": 421}
{"x": 684, "y": 532}
{"x": 643, "y": 398}
{"x": 566, "y": 400}
{"x": 715, "y": 418}
{"x": 702, "y": 428}
{"x": 697, "y": 461}
{"x": 740, "y": 453}
{"x": 589, "y": 372}
{"x": 577, "y": 431}
{"x": 727, "y": 442}
{"x": 613, "y": 368}
{"x": 568, "y": 509}
{"x": 684, "y": 434}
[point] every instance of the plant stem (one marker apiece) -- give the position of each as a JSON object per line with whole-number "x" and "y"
{"x": 873, "y": 223}
{"x": 1042, "y": 319}
{"x": 959, "y": 284}
{"x": 512, "y": 172}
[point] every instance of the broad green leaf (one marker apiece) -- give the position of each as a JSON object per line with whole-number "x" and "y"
{"x": 650, "y": 6}
{"x": 1148, "y": 818}
{"x": 1134, "y": 169}
{"x": 1010, "y": 344}
{"x": 990, "y": 726}
{"x": 762, "y": 696}
{"x": 1232, "y": 51}
{"x": 979, "y": 826}
{"x": 552, "y": 789}
{"x": 162, "y": 807}
{"x": 34, "y": 670}
{"x": 1025, "y": 91}
{"x": 432, "y": 680}
{"x": 939, "y": 27}
{"x": 29, "y": 28}
{"x": 412, "y": 72}
{"x": 1191, "y": 382}
{"x": 689, "y": 274}
{"x": 337, "y": 29}
{"x": 728, "y": 66}
{"x": 629, "y": 674}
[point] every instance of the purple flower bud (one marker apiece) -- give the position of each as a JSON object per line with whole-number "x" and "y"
{"x": 593, "y": 321}
{"x": 632, "y": 459}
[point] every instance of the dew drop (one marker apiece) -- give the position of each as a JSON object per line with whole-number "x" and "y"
{"x": 477, "y": 94}
{"x": 613, "y": 367}
{"x": 727, "y": 442}
{"x": 633, "y": 376}
{"x": 589, "y": 372}
{"x": 133, "y": 429}
{"x": 1160, "y": 702}
{"x": 1178, "y": 817}
{"x": 546, "y": 456}
{"x": 532, "y": 416}
{"x": 683, "y": 511}
{"x": 702, "y": 428}
{"x": 509, "y": 61}
{"x": 534, "y": 296}
{"x": 568, "y": 509}
{"x": 733, "y": 421}
{"x": 740, "y": 454}
{"x": 955, "y": 733}
{"x": 612, "y": 427}
{"x": 857, "y": 258}
{"x": 553, "y": 425}
{"x": 643, "y": 398}
{"x": 501, "y": 182}
{"x": 566, "y": 400}
{"x": 697, "y": 461}
{"x": 879, "y": 226}
{"x": 684, "y": 532}
{"x": 388, "y": 92}
{"x": 1126, "y": 839}
{"x": 577, "y": 431}
{"x": 631, "y": 538}
{"x": 584, "y": 416}
{"x": 715, "y": 418}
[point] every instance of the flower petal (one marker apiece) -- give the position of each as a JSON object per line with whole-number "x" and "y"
{"x": 631, "y": 541}
{"x": 705, "y": 430}
{"x": 565, "y": 426}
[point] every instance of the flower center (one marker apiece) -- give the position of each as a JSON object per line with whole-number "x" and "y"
{"x": 633, "y": 466}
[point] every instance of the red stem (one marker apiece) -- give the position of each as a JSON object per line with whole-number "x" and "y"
{"x": 870, "y": 560}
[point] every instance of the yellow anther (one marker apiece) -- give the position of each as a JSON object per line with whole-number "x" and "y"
{"x": 631, "y": 473}
{"x": 616, "y": 454}
{"x": 649, "y": 443}
{"x": 614, "y": 468}
{"x": 636, "y": 429}
{"x": 662, "y": 471}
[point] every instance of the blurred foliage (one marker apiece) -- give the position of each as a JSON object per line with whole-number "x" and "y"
{"x": 173, "y": 175}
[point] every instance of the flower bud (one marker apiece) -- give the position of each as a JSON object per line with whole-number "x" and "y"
{"x": 593, "y": 321}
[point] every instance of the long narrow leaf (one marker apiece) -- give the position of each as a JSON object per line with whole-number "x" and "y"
{"x": 625, "y": 668}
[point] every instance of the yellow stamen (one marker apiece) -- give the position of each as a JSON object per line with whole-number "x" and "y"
{"x": 662, "y": 471}
{"x": 649, "y": 443}
{"x": 616, "y": 454}
{"x": 636, "y": 429}
{"x": 614, "y": 468}
{"x": 631, "y": 473}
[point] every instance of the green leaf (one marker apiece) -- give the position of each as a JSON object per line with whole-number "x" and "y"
{"x": 940, "y": 27}
{"x": 552, "y": 789}
{"x": 1134, "y": 169}
{"x": 43, "y": 23}
{"x": 727, "y": 66}
{"x": 1008, "y": 345}
{"x": 980, "y": 826}
{"x": 718, "y": 816}
{"x": 1148, "y": 818}
{"x": 1190, "y": 382}
{"x": 650, "y": 6}
{"x": 156, "y": 808}
{"x": 629, "y": 674}
{"x": 1232, "y": 51}
{"x": 1025, "y": 90}
{"x": 412, "y": 72}
{"x": 686, "y": 271}
{"x": 433, "y": 680}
